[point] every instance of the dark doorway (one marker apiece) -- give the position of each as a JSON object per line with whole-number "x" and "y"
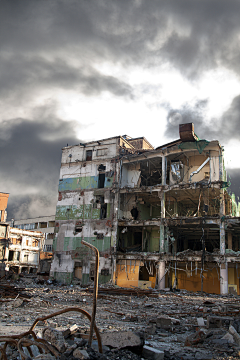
{"x": 101, "y": 181}
{"x": 10, "y": 255}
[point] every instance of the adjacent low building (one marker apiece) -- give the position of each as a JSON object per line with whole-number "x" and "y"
{"x": 20, "y": 249}
{"x": 45, "y": 224}
{"x": 159, "y": 217}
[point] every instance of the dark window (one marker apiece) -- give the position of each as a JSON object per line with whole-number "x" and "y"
{"x": 134, "y": 213}
{"x": 10, "y": 255}
{"x": 101, "y": 180}
{"x": 103, "y": 211}
{"x": 89, "y": 155}
{"x": 101, "y": 167}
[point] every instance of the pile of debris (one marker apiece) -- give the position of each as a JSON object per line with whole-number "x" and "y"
{"x": 174, "y": 326}
{"x": 8, "y": 290}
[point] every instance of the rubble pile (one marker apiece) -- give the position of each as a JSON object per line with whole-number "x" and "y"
{"x": 160, "y": 325}
{"x": 8, "y": 290}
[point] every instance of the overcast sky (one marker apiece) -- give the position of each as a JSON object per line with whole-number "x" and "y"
{"x": 79, "y": 70}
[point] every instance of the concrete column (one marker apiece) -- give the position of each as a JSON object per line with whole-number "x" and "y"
{"x": 175, "y": 207}
{"x": 175, "y": 247}
{"x": 224, "y": 278}
{"x": 162, "y": 239}
{"x": 229, "y": 240}
{"x": 222, "y": 207}
{"x": 162, "y": 230}
{"x": 161, "y": 275}
{"x": 6, "y": 254}
{"x": 222, "y": 225}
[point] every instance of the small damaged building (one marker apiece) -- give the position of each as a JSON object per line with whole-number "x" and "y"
{"x": 159, "y": 217}
{"x": 19, "y": 249}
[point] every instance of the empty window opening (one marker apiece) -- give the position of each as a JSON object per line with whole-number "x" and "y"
{"x": 137, "y": 239}
{"x": 103, "y": 211}
{"x": 10, "y": 255}
{"x": 134, "y": 213}
{"x": 78, "y": 272}
{"x": 101, "y": 167}
{"x": 147, "y": 271}
{"x": 143, "y": 273}
{"x": 101, "y": 181}
{"x": 105, "y": 272}
{"x": 89, "y": 155}
{"x": 92, "y": 275}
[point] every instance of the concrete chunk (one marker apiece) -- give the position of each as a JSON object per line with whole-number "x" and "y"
{"x": 80, "y": 354}
{"x": 235, "y": 335}
{"x": 228, "y": 337}
{"x": 152, "y": 353}
{"x": 200, "y": 322}
{"x": 56, "y": 338}
{"x": 121, "y": 339}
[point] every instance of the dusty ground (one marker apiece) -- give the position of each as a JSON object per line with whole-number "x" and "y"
{"x": 191, "y": 314}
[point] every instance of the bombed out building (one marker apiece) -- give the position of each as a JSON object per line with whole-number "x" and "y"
{"x": 159, "y": 217}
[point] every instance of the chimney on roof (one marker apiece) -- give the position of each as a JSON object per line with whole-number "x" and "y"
{"x": 186, "y": 132}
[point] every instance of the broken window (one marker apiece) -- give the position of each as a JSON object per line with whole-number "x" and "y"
{"x": 101, "y": 181}
{"x": 3, "y": 231}
{"x": 176, "y": 172}
{"x": 88, "y": 155}
{"x": 10, "y": 255}
{"x": 103, "y": 211}
{"x": 134, "y": 213}
{"x": 101, "y": 177}
{"x": 99, "y": 204}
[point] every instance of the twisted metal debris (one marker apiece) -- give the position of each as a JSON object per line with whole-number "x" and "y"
{"x": 23, "y": 340}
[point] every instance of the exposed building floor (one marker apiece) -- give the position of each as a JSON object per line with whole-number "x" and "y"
{"x": 185, "y": 325}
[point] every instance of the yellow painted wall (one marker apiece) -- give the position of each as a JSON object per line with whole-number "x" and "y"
{"x": 233, "y": 275}
{"x": 128, "y": 275}
{"x": 211, "y": 283}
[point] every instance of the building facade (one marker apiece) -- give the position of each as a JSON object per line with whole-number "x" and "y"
{"x": 159, "y": 217}
{"x": 45, "y": 224}
{"x": 20, "y": 249}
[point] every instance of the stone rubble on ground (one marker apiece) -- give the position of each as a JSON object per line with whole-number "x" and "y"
{"x": 164, "y": 325}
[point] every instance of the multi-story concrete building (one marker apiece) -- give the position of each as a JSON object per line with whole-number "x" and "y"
{"x": 158, "y": 216}
{"x": 45, "y": 224}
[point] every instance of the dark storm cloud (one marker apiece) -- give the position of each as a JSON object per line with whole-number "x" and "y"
{"x": 186, "y": 114}
{"x": 30, "y": 161}
{"x": 22, "y": 77}
{"x": 224, "y": 129}
{"x": 59, "y": 45}
{"x": 233, "y": 180}
{"x": 192, "y": 35}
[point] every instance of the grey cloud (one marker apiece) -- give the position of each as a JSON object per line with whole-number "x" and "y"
{"x": 187, "y": 114}
{"x": 22, "y": 77}
{"x": 224, "y": 129}
{"x": 233, "y": 179}
{"x": 192, "y": 35}
{"x": 30, "y": 160}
